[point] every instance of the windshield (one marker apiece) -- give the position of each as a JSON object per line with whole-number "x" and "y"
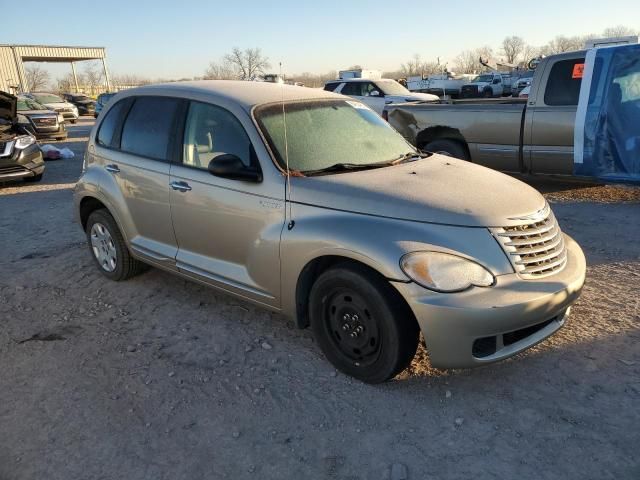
{"x": 48, "y": 98}
{"x": 483, "y": 79}
{"x": 321, "y": 133}
{"x": 391, "y": 87}
{"x": 29, "y": 104}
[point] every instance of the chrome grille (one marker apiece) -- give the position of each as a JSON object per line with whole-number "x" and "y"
{"x": 536, "y": 248}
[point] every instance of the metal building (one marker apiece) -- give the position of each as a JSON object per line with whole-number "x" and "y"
{"x": 12, "y": 57}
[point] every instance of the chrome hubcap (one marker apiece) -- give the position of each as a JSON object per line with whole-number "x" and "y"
{"x": 103, "y": 247}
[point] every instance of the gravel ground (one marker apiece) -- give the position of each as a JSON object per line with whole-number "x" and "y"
{"x": 160, "y": 378}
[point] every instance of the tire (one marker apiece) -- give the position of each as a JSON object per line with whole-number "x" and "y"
{"x": 116, "y": 262}
{"x": 361, "y": 323}
{"x": 451, "y": 148}
{"x": 487, "y": 94}
{"x": 34, "y": 179}
{"x": 74, "y": 121}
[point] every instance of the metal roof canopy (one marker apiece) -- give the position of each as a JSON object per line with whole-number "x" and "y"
{"x": 45, "y": 53}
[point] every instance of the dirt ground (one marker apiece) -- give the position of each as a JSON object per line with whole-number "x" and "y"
{"x": 159, "y": 378}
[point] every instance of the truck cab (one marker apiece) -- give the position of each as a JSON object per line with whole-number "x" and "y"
{"x": 487, "y": 85}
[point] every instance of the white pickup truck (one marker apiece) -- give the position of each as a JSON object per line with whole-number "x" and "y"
{"x": 487, "y": 85}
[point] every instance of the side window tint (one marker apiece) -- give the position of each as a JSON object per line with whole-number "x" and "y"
{"x": 148, "y": 127}
{"x": 352, "y": 88}
{"x": 330, "y": 87}
{"x": 108, "y": 127}
{"x": 563, "y": 86}
{"x": 211, "y": 131}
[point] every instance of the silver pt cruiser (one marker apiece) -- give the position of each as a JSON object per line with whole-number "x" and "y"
{"x": 307, "y": 203}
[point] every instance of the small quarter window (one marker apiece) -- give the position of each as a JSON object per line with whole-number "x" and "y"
{"x": 109, "y": 126}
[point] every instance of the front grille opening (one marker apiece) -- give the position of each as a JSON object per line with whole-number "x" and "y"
{"x": 536, "y": 249}
{"x": 513, "y": 337}
{"x": 484, "y": 347}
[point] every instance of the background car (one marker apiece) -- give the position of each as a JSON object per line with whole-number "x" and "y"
{"x": 375, "y": 94}
{"x": 39, "y": 120}
{"x": 20, "y": 156}
{"x": 86, "y": 105}
{"x": 103, "y": 99}
{"x": 524, "y": 93}
{"x": 68, "y": 110}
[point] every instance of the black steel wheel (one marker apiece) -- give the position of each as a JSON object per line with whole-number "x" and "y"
{"x": 362, "y": 324}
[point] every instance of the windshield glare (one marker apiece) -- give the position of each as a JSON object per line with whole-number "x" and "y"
{"x": 321, "y": 133}
{"x": 28, "y": 104}
{"x": 391, "y": 87}
{"x": 48, "y": 98}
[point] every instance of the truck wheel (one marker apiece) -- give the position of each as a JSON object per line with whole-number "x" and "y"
{"x": 361, "y": 324}
{"x": 450, "y": 148}
{"x": 488, "y": 94}
{"x": 109, "y": 249}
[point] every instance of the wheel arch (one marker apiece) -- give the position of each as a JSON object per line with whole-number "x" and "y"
{"x": 87, "y": 206}
{"x": 441, "y": 132}
{"x": 314, "y": 268}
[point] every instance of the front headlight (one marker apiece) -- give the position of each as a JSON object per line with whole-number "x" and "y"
{"x": 444, "y": 272}
{"x": 24, "y": 142}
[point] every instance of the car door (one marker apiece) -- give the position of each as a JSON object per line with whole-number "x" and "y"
{"x": 228, "y": 231}
{"x": 551, "y": 115}
{"x": 136, "y": 154}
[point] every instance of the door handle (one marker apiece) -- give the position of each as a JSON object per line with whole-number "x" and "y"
{"x": 180, "y": 186}
{"x": 113, "y": 168}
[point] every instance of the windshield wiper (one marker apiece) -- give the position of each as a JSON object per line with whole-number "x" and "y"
{"x": 344, "y": 167}
{"x": 409, "y": 156}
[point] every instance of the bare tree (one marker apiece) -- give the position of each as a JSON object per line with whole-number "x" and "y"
{"x": 68, "y": 84}
{"x": 562, "y": 44}
{"x": 37, "y": 78}
{"x": 416, "y": 66}
{"x": 619, "y": 31}
{"x": 247, "y": 64}
{"x": 222, "y": 70}
{"x": 512, "y": 47}
{"x": 92, "y": 77}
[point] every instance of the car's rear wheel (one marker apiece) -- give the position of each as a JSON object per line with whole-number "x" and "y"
{"x": 362, "y": 324}
{"x": 108, "y": 247}
{"x": 450, "y": 148}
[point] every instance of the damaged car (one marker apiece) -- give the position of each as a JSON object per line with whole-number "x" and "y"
{"x": 20, "y": 156}
{"x": 309, "y": 204}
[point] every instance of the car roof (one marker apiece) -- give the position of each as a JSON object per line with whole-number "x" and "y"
{"x": 247, "y": 94}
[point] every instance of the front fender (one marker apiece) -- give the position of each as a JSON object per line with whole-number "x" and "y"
{"x": 376, "y": 242}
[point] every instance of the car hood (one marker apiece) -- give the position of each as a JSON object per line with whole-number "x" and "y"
{"x": 437, "y": 189}
{"x": 8, "y": 105}
{"x": 59, "y": 105}
{"x": 414, "y": 97}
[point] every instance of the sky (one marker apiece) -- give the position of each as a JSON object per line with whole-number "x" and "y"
{"x": 174, "y": 39}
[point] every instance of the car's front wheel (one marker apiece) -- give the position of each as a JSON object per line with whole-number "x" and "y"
{"x": 362, "y": 324}
{"x": 108, "y": 247}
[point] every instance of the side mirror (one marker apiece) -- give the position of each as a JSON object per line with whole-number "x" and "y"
{"x": 374, "y": 93}
{"x": 227, "y": 165}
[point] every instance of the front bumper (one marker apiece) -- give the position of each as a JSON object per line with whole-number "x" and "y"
{"x": 484, "y": 325}
{"x": 22, "y": 164}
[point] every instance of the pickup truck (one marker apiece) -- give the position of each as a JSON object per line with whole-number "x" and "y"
{"x": 532, "y": 135}
{"x": 487, "y": 85}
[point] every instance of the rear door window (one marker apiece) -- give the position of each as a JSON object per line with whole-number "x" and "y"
{"x": 149, "y": 127}
{"x": 563, "y": 85}
{"x": 330, "y": 87}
